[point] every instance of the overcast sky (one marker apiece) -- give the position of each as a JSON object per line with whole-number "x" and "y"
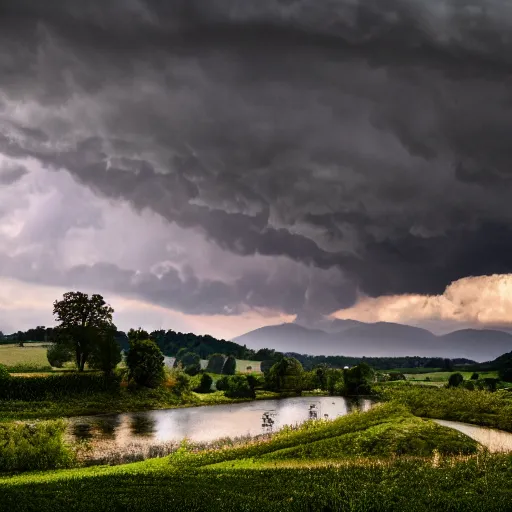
{"x": 217, "y": 166}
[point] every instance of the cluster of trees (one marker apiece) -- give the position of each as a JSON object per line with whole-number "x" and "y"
{"x": 475, "y": 382}
{"x": 288, "y": 376}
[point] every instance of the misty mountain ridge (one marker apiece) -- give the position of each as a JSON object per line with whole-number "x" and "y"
{"x": 380, "y": 339}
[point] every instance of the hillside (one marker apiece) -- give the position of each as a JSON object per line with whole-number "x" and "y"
{"x": 379, "y": 340}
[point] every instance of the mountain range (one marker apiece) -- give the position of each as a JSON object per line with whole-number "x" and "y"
{"x": 381, "y": 339}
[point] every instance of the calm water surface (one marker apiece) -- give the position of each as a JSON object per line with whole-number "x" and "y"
{"x": 494, "y": 440}
{"x": 208, "y": 423}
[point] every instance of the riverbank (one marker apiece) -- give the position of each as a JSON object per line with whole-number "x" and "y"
{"x": 124, "y": 401}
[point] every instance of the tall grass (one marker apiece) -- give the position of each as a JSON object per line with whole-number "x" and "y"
{"x": 33, "y": 446}
{"x": 457, "y": 404}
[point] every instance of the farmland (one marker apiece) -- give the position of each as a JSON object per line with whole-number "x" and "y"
{"x": 30, "y": 357}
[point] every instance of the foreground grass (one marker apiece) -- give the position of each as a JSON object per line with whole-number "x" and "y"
{"x": 249, "y": 477}
{"x": 474, "y": 484}
{"x": 457, "y": 404}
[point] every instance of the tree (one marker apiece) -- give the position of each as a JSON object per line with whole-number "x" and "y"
{"x": 266, "y": 365}
{"x": 216, "y": 363}
{"x": 145, "y": 363}
{"x": 83, "y": 321}
{"x": 285, "y": 376}
{"x": 205, "y": 384}
{"x": 239, "y": 387}
{"x": 191, "y": 362}
{"x": 58, "y": 354}
{"x": 475, "y": 376}
{"x": 448, "y": 365}
{"x": 229, "y": 367}
{"x": 222, "y": 383}
{"x": 506, "y": 374}
{"x": 359, "y": 379}
{"x": 455, "y": 380}
{"x": 137, "y": 335}
{"x": 106, "y": 354}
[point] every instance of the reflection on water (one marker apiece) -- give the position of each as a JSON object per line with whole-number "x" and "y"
{"x": 204, "y": 424}
{"x": 493, "y": 440}
{"x": 142, "y": 424}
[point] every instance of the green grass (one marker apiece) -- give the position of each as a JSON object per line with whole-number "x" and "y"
{"x": 477, "y": 407}
{"x": 444, "y": 376}
{"x": 256, "y": 477}
{"x": 242, "y": 364}
{"x": 31, "y": 357}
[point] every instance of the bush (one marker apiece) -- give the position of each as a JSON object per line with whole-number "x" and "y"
{"x": 56, "y": 386}
{"x": 4, "y": 374}
{"x": 58, "y": 354}
{"x": 229, "y": 367}
{"x": 506, "y": 374}
{"x": 335, "y": 381}
{"x": 393, "y": 376}
{"x": 35, "y": 446}
{"x": 468, "y": 384}
{"x": 455, "y": 380}
{"x": 216, "y": 363}
{"x": 222, "y": 383}
{"x": 475, "y": 376}
{"x": 238, "y": 387}
{"x": 205, "y": 384}
{"x": 179, "y": 381}
{"x": 145, "y": 363}
{"x": 191, "y": 362}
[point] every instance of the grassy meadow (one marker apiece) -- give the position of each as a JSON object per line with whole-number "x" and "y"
{"x": 384, "y": 459}
{"x": 31, "y": 357}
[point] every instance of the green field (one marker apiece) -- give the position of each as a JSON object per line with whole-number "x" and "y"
{"x": 242, "y": 364}
{"x": 444, "y": 376}
{"x": 31, "y": 355}
{"x": 384, "y": 459}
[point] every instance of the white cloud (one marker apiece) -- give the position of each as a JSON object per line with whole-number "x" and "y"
{"x": 481, "y": 301}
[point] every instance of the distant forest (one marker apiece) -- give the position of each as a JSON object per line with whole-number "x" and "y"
{"x": 171, "y": 343}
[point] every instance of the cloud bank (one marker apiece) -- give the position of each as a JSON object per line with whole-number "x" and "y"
{"x": 234, "y": 156}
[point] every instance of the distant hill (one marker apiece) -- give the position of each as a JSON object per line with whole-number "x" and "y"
{"x": 381, "y": 339}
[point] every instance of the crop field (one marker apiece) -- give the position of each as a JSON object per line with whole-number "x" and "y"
{"x": 31, "y": 355}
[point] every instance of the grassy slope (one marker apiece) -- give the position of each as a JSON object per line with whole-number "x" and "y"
{"x": 246, "y": 479}
{"x": 478, "y": 407}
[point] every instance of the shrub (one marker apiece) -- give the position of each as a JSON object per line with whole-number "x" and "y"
{"x": 229, "y": 367}
{"x": 191, "y": 362}
{"x": 216, "y": 363}
{"x": 397, "y": 376}
{"x": 222, "y": 383}
{"x": 4, "y": 374}
{"x": 468, "y": 384}
{"x": 475, "y": 376}
{"x": 455, "y": 380}
{"x": 35, "y": 446}
{"x": 58, "y": 354}
{"x": 334, "y": 381}
{"x": 180, "y": 382}
{"x": 238, "y": 387}
{"x": 506, "y": 374}
{"x": 145, "y": 363}
{"x": 205, "y": 384}
{"x": 56, "y": 386}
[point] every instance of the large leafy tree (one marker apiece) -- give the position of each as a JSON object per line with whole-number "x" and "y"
{"x": 84, "y": 322}
{"x": 106, "y": 354}
{"x": 285, "y": 375}
{"x": 145, "y": 362}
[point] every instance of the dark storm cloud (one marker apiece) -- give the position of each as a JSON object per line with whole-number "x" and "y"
{"x": 371, "y": 137}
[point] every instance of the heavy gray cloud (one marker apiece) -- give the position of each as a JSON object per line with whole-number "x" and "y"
{"x": 362, "y": 144}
